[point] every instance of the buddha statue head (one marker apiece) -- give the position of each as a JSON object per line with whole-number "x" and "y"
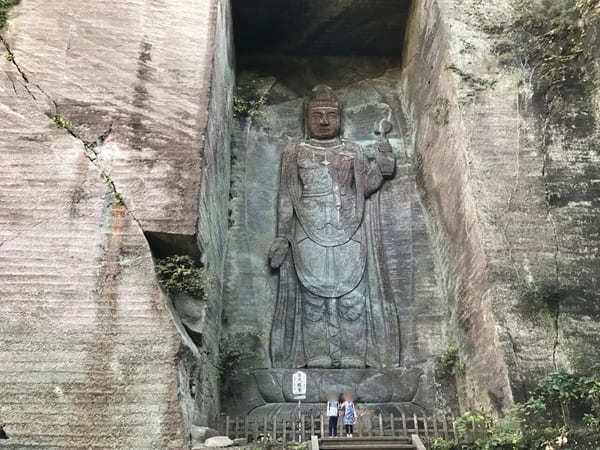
{"x": 322, "y": 114}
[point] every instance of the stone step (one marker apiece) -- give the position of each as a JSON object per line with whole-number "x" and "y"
{"x": 368, "y": 445}
{"x": 372, "y": 443}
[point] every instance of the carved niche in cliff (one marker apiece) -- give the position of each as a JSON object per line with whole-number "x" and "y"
{"x": 333, "y": 317}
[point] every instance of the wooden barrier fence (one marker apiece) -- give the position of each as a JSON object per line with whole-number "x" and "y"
{"x": 286, "y": 429}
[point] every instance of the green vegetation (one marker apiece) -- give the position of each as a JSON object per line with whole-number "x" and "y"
{"x": 549, "y": 37}
{"x": 450, "y": 362}
{"x": 5, "y": 5}
{"x": 248, "y": 99}
{"x": 180, "y": 275}
{"x": 239, "y": 352}
{"x": 563, "y": 412}
{"x": 118, "y": 199}
{"x": 61, "y": 122}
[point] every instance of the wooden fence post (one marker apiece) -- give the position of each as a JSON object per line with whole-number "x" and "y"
{"x": 321, "y": 423}
{"x": 445, "y": 426}
{"x": 454, "y": 431}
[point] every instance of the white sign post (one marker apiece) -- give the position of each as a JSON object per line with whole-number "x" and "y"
{"x": 299, "y": 385}
{"x": 299, "y": 392}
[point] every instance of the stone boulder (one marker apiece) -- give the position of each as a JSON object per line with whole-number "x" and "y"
{"x": 201, "y": 434}
{"x": 218, "y": 441}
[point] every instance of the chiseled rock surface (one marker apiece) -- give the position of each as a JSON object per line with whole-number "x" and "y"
{"x": 135, "y": 75}
{"x": 367, "y": 90}
{"x": 486, "y": 174}
{"x": 88, "y": 349}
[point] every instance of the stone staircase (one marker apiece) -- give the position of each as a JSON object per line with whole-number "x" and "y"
{"x": 370, "y": 443}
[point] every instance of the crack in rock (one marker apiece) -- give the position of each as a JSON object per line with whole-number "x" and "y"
{"x": 90, "y": 148}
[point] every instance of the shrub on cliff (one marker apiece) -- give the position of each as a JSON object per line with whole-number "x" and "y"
{"x": 180, "y": 275}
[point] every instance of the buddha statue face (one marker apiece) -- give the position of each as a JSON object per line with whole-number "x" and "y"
{"x": 323, "y": 114}
{"x": 323, "y": 122}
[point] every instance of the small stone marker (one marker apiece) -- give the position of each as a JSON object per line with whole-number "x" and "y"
{"x": 299, "y": 385}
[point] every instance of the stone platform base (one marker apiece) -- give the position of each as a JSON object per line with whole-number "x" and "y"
{"x": 387, "y": 390}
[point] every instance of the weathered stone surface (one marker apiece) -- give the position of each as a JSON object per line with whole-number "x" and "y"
{"x": 88, "y": 346}
{"x": 486, "y": 174}
{"x": 135, "y": 76}
{"x": 92, "y": 348}
{"x": 201, "y": 434}
{"x": 331, "y": 311}
{"x": 371, "y": 385}
{"x": 251, "y": 286}
{"x": 218, "y": 441}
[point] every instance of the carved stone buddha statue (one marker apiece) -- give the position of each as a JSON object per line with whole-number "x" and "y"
{"x": 332, "y": 317}
{"x": 326, "y": 316}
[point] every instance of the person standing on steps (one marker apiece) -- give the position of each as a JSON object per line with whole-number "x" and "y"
{"x": 332, "y": 413}
{"x": 349, "y": 414}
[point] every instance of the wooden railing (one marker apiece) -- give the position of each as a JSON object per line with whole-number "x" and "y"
{"x": 286, "y": 429}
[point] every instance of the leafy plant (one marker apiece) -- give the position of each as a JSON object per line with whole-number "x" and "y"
{"x": 180, "y": 275}
{"x": 248, "y": 100}
{"x": 472, "y": 425}
{"x": 450, "y": 362}
{"x": 441, "y": 444}
{"x": 239, "y": 352}
{"x": 61, "y": 122}
{"x": 562, "y": 412}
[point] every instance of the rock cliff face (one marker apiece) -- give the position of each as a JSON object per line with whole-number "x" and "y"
{"x": 106, "y": 140}
{"x": 115, "y": 135}
{"x": 520, "y": 268}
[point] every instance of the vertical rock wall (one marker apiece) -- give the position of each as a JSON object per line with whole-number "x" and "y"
{"x": 106, "y": 138}
{"x": 441, "y": 144}
{"x": 488, "y": 170}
